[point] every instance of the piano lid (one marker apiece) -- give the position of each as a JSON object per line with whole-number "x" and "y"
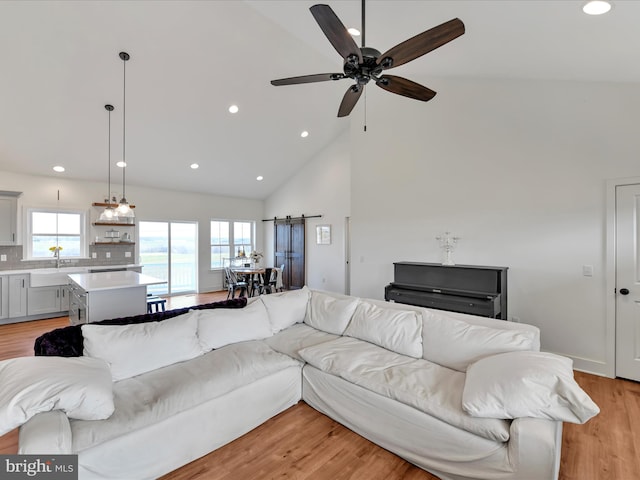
{"x": 455, "y": 278}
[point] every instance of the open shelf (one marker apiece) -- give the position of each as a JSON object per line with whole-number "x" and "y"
{"x": 113, "y": 243}
{"x": 111, "y": 224}
{"x": 114, "y": 205}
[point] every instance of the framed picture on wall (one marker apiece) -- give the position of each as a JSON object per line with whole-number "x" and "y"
{"x": 323, "y": 234}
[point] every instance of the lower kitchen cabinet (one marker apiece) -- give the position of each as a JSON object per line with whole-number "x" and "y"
{"x": 17, "y": 297}
{"x": 47, "y": 299}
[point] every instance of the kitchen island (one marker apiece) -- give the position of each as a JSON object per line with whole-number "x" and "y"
{"x": 99, "y": 296}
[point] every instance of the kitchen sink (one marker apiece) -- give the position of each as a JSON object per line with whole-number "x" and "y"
{"x": 47, "y": 277}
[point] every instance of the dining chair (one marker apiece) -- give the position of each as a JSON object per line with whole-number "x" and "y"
{"x": 234, "y": 284}
{"x": 277, "y": 280}
{"x": 267, "y": 282}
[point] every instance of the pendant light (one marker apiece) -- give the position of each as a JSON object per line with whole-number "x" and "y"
{"x": 124, "y": 211}
{"x": 109, "y": 212}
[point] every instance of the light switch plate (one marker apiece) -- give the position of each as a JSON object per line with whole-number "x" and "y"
{"x": 587, "y": 270}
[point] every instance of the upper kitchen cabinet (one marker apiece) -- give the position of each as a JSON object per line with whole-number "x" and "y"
{"x": 9, "y": 217}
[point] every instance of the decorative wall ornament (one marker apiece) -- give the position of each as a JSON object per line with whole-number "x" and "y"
{"x": 448, "y": 244}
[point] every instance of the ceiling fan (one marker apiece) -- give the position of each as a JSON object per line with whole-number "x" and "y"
{"x": 365, "y": 64}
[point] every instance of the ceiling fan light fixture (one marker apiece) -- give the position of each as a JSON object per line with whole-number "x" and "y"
{"x": 354, "y": 31}
{"x": 597, "y": 7}
{"x": 58, "y": 168}
{"x": 194, "y": 166}
{"x": 304, "y": 134}
{"x": 233, "y": 109}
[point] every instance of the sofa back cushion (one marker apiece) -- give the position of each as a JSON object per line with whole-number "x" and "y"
{"x": 286, "y": 308}
{"x": 138, "y": 348}
{"x": 330, "y": 313}
{"x": 396, "y": 330}
{"x": 456, "y": 344}
{"x": 68, "y": 341}
{"x": 220, "y": 327}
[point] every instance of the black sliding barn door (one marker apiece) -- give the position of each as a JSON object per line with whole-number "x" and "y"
{"x": 289, "y": 251}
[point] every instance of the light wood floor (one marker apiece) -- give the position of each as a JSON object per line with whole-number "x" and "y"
{"x": 302, "y": 444}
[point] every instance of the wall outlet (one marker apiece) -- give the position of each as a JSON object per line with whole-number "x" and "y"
{"x": 107, "y": 255}
{"x": 3, "y": 258}
{"x": 127, "y": 254}
{"x": 515, "y": 319}
{"x": 94, "y": 255}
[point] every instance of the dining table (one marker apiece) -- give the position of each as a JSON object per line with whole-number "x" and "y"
{"x": 251, "y": 276}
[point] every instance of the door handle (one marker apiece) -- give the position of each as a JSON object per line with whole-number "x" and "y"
{"x": 624, "y": 291}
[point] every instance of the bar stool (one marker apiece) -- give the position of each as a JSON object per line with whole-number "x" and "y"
{"x": 155, "y": 303}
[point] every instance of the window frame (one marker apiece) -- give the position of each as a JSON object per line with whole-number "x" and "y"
{"x": 232, "y": 244}
{"x": 83, "y": 232}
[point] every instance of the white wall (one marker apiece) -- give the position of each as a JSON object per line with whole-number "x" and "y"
{"x": 151, "y": 204}
{"x": 517, "y": 169}
{"x": 321, "y": 187}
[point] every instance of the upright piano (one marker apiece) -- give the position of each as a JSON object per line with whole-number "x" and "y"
{"x": 477, "y": 290}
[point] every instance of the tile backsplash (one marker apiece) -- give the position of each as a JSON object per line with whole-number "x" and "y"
{"x": 117, "y": 257}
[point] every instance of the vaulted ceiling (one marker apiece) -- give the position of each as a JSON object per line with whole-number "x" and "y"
{"x": 191, "y": 60}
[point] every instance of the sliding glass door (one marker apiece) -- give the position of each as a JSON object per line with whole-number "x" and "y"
{"x": 169, "y": 250}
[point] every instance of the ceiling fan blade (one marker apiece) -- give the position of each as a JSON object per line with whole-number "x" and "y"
{"x": 350, "y": 99}
{"x": 336, "y": 32}
{"x": 320, "y": 77}
{"x": 407, "y": 88}
{"x": 420, "y": 44}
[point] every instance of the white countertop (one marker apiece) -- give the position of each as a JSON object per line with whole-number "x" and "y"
{"x": 92, "y": 282}
{"x": 70, "y": 266}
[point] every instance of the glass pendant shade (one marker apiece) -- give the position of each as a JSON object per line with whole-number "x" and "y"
{"x": 108, "y": 215}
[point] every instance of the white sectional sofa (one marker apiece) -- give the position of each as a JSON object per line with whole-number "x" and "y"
{"x": 403, "y": 377}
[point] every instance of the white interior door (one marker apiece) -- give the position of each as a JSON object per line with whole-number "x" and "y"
{"x": 628, "y": 281}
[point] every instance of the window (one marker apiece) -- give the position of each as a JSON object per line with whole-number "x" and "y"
{"x": 228, "y": 238}
{"x": 47, "y": 229}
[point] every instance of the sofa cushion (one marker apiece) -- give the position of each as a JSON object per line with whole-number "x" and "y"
{"x": 68, "y": 341}
{"x": 456, "y": 344}
{"x": 80, "y": 387}
{"x": 149, "y": 398}
{"x": 396, "y": 330}
{"x": 293, "y": 339}
{"x": 220, "y": 327}
{"x": 418, "y": 383}
{"x": 526, "y": 384}
{"x": 286, "y": 308}
{"x": 134, "y": 349}
{"x": 330, "y": 312}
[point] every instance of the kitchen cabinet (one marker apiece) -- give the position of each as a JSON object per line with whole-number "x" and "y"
{"x": 51, "y": 299}
{"x": 8, "y": 217}
{"x": 17, "y": 297}
{"x": 4, "y": 296}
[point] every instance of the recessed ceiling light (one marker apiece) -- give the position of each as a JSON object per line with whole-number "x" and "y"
{"x": 121, "y": 164}
{"x": 304, "y": 134}
{"x": 354, "y": 31}
{"x": 194, "y": 166}
{"x": 596, "y": 7}
{"x": 259, "y": 178}
{"x": 58, "y": 169}
{"x": 233, "y": 109}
